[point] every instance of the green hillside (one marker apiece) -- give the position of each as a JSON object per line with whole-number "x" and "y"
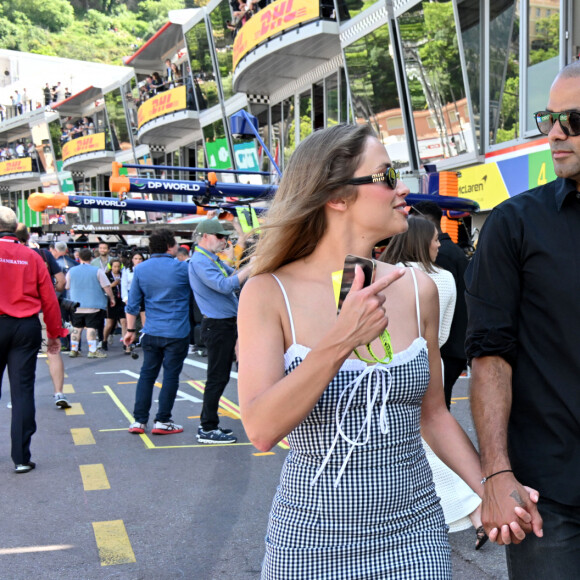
{"x": 90, "y": 30}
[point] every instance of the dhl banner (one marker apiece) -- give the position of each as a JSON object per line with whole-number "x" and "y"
{"x": 22, "y": 165}
{"x": 271, "y": 20}
{"x": 161, "y": 104}
{"x": 82, "y": 145}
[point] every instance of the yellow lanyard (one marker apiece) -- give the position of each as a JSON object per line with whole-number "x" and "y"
{"x": 384, "y": 337}
{"x": 216, "y": 262}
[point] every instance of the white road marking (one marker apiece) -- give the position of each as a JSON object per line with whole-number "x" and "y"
{"x": 195, "y": 363}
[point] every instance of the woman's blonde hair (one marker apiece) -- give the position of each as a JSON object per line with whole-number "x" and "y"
{"x": 412, "y": 245}
{"x": 317, "y": 172}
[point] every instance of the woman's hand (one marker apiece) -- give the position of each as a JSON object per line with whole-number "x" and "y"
{"x": 362, "y": 314}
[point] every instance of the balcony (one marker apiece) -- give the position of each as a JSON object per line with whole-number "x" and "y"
{"x": 168, "y": 117}
{"x": 282, "y": 43}
{"x": 21, "y": 172}
{"x": 89, "y": 149}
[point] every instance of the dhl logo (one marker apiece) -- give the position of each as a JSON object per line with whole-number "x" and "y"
{"x": 167, "y": 102}
{"x": 82, "y": 145}
{"x": 15, "y": 166}
{"x": 163, "y": 104}
{"x": 86, "y": 144}
{"x": 279, "y": 15}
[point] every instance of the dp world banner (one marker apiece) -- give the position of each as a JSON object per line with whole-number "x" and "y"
{"x": 21, "y": 165}
{"x": 83, "y": 145}
{"x": 272, "y": 20}
{"x": 161, "y": 104}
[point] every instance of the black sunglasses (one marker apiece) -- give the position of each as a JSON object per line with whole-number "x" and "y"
{"x": 220, "y": 236}
{"x": 389, "y": 176}
{"x": 569, "y": 121}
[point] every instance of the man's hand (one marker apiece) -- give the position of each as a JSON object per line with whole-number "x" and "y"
{"x": 52, "y": 345}
{"x": 503, "y": 498}
{"x": 129, "y": 338}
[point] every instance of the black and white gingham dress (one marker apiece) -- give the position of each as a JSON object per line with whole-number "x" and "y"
{"x": 360, "y": 504}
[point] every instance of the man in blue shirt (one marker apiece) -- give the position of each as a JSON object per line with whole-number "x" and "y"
{"x": 214, "y": 286}
{"x": 163, "y": 284}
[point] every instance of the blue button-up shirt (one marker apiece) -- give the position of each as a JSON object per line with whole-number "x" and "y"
{"x": 213, "y": 290}
{"x": 163, "y": 283}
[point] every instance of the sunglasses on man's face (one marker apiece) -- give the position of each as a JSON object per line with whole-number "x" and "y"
{"x": 569, "y": 121}
{"x": 389, "y": 176}
{"x": 220, "y": 236}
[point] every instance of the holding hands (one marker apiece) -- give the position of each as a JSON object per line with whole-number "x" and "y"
{"x": 503, "y": 496}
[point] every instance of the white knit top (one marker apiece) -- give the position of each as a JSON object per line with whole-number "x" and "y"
{"x": 447, "y": 298}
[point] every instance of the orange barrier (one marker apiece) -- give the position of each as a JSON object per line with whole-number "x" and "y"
{"x": 41, "y": 201}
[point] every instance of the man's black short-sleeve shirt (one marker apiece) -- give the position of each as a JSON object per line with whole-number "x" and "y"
{"x": 523, "y": 301}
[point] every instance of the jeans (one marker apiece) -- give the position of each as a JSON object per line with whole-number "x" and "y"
{"x": 557, "y": 554}
{"x": 157, "y": 351}
{"x": 20, "y": 341}
{"x": 219, "y": 337}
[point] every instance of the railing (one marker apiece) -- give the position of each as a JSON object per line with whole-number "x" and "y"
{"x": 274, "y": 19}
{"x": 11, "y": 111}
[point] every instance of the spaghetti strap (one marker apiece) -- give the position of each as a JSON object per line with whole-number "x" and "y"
{"x": 417, "y": 300}
{"x": 287, "y": 307}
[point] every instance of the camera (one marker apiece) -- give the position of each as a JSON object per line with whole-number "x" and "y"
{"x": 68, "y": 307}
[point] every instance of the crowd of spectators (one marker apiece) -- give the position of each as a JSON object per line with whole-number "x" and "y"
{"x": 155, "y": 83}
{"x": 21, "y": 102}
{"x": 73, "y": 129}
{"x": 19, "y": 150}
{"x": 242, "y": 11}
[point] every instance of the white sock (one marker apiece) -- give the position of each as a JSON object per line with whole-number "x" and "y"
{"x": 92, "y": 345}
{"x": 74, "y": 345}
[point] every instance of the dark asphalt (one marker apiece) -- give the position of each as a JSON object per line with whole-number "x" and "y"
{"x": 189, "y": 511}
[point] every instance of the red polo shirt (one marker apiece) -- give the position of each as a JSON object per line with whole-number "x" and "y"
{"x": 26, "y": 286}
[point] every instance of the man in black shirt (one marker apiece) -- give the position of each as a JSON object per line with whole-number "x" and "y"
{"x": 453, "y": 259}
{"x": 522, "y": 336}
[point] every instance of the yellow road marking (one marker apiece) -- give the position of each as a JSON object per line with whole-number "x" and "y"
{"x": 68, "y": 389}
{"x": 94, "y": 477}
{"x": 113, "y": 543}
{"x": 230, "y": 408}
{"x": 200, "y": 445}
{"x": 148, "y": 443}
{"x": 75, "y": 409}
{"x": 99, "y": 392}
{"x": 83, "y": 436}
{"x": 264, "y": 453}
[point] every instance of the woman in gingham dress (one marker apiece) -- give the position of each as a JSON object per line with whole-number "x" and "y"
{"x": 356, "y": 497}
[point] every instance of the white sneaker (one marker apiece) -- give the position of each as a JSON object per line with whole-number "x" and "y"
{"x": 166, "y": 428}
{"x": 61, "y": 401}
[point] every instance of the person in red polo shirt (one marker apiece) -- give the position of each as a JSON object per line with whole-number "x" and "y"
{"x": 26, "y": 289}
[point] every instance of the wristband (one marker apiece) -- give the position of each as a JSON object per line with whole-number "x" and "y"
{"x": 131, "y": 330}
{"x": 496, "y": 473}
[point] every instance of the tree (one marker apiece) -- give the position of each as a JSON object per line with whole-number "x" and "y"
{"x": 54, "y": 15}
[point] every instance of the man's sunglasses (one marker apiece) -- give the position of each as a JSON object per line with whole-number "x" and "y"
{"x": 389, "y": 176}
{"x": 569, "y": 121}
{"x": 220, "y": 236}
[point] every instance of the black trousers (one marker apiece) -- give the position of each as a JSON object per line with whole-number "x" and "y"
{"x": 219, "y": 337}
{"x": 557, "y": 554}
{"x": 452, "y": 369}
{"x": 20, "y": 340}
